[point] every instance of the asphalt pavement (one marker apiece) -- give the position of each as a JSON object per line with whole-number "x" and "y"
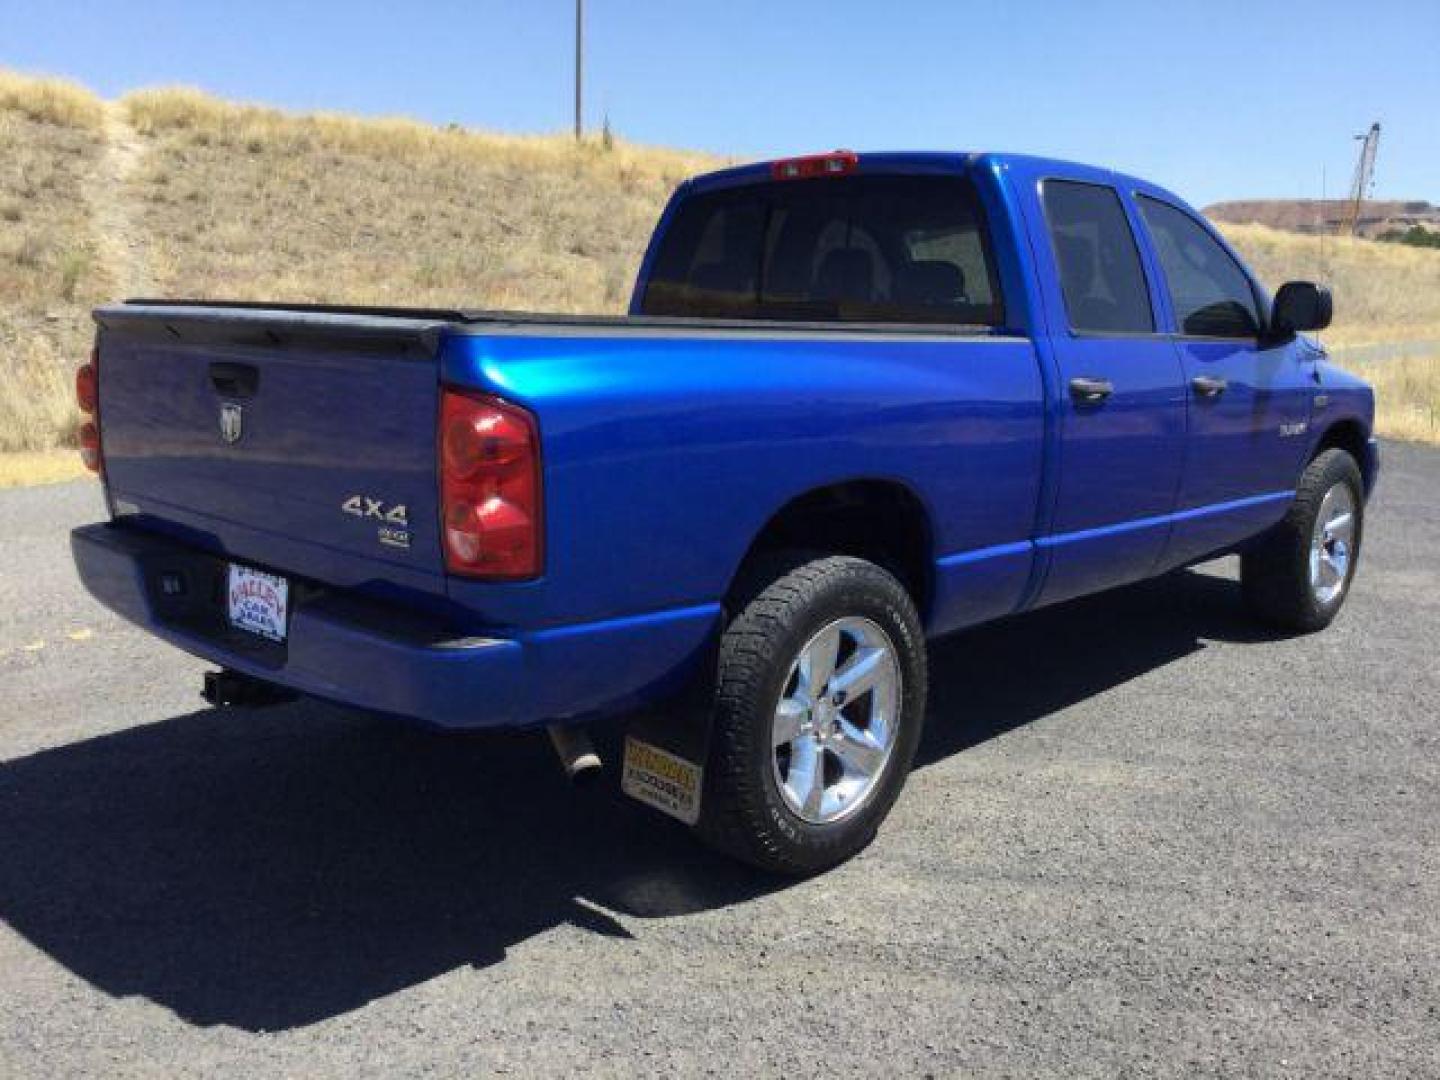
{"x": 1145, "y": 837}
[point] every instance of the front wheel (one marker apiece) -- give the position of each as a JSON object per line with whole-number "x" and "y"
{"x": 819, "y": 703}
{"x": 1297, "y": 577}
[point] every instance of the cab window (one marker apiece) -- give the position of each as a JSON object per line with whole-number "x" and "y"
{"x": 1211, "y": 294}
{"x": 1100, "y": 272}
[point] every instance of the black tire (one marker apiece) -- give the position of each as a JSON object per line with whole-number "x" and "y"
{"x": 788, "y": 601}
{"x": 1275, "y": 572}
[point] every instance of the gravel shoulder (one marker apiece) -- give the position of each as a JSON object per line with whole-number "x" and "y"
{"x": 1143, "y": 838}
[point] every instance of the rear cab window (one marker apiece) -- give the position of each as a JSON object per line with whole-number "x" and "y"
{"x": 875, "y": 249}
{"x": 1101, "y": 276}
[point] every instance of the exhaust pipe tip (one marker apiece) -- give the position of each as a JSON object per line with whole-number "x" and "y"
{"x": 578, "y": 756}
{"x": 226, "y": 687}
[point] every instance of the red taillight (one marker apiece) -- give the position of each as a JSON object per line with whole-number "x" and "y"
{"x": 85, "y": 387}
{"x": 803, "y": 168}
{"x": 87, "y": 396}
{"x": 489, "y": 487}
{"x": 90, "y": 445}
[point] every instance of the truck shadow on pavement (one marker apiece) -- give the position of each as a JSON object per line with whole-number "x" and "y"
{"x": 272, "y": 869}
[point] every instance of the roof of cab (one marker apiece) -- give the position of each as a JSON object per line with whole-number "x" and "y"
{"x": 915, "y": 161}
{"x": 932, "y": 161}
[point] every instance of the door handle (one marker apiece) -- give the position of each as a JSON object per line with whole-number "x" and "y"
{"x": 1208, "y": 385}
{"x": 1087, "y": 391}
{"x": 235, "y": 380}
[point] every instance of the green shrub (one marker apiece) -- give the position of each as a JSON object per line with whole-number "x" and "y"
{"x": 1415, "y": 236}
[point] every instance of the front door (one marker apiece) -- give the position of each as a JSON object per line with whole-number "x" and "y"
{"x": 1249, "y": 399}
{"x": 1122, "y": 419}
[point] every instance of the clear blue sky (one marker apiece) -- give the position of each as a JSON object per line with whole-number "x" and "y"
{"x": 1217, "y": 100}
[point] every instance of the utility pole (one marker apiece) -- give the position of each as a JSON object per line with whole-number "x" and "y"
{"x": 579, "y": 62}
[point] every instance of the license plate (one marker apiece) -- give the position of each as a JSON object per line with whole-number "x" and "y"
{"x": 258, "y": 602}
{"x": 660, "y": 779}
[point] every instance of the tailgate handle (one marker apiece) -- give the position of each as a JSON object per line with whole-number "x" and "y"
{"x": 235, "y": 380}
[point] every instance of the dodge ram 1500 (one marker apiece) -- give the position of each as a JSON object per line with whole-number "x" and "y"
{"x": 859, "y": 401}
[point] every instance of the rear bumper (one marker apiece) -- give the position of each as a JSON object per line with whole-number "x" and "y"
{"x": 385, "y": 659}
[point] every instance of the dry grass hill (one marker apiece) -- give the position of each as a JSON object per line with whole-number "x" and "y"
{"x": 51, "y": 145}
{"x": 1323, "y": 215}
{"x": 170, "y": 192}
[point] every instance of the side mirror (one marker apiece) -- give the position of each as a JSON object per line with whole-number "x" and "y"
{"x": 1300, "y": 305}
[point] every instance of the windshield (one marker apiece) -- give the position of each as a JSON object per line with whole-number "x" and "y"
{"x": 858, "y": 249}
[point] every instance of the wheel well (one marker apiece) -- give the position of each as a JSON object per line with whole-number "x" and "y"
{"x": 879, "y": 520}
{"x": 1350, "y": 436}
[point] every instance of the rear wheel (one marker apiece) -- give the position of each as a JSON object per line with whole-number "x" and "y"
{"x": 1298, "y": 576}
{"x": 819, "y": 704}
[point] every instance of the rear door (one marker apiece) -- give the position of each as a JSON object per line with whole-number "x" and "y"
{"x": 1121, "y": 422}
{"x": 1249, "y": 398}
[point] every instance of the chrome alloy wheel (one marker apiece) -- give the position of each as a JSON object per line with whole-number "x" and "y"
{"x": 1332, "y": 545}
{"x": 837, "y": 720}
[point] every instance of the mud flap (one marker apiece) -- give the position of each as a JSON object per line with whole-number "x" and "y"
{"x": 664, "y": 758}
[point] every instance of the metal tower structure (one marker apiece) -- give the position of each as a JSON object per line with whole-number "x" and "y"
{"x": 1364, "y": 181}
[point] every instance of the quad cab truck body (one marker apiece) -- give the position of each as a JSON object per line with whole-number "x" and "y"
{"x": 860, "y": 401}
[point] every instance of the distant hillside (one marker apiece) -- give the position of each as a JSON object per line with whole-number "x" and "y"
{"x": 1317, "y": 215}
{"x": 173, "y": 193}
{"x": 1383, "y": 292}
{"x": 51, "y": 144}
{"x": 231, "y": 200}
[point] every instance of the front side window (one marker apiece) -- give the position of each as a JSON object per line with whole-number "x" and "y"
{"x": 900, "y": 249}
{"x": 1211, "y": 295}
{"x": 1100, "y": 272}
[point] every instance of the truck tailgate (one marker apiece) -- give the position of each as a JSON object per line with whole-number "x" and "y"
{"x": 297, "y": 440}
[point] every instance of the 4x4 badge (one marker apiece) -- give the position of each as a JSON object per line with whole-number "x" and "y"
{"x": 363, "y": 506}
{"x": 232, "y": 422}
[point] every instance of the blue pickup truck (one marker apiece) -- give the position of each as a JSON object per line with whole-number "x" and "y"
{"x": 860, "y": 401}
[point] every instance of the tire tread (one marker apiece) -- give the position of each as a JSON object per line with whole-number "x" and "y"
{"x": 1274, "y": 573}
{"x": 775, "y": 595}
